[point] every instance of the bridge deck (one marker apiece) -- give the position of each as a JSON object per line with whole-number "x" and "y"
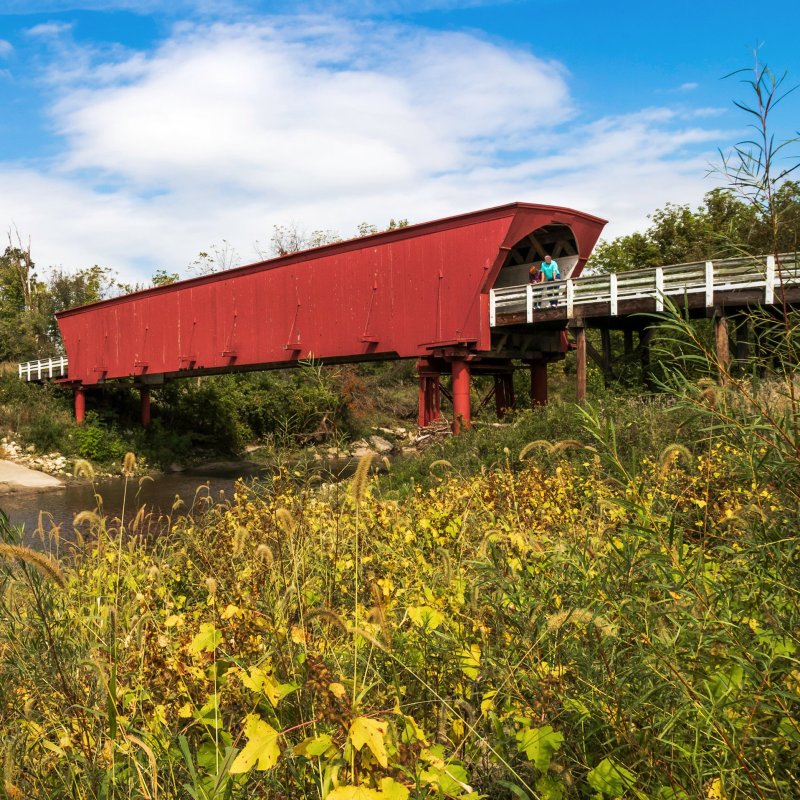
{"x": 728, "y": 283}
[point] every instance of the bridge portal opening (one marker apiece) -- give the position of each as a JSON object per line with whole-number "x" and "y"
{"x": 555, "y": 240}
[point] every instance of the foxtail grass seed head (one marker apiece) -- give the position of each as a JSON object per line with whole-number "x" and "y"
{"x": 286, "y": 521}
{"x": 45, "y": 565}
{"x": 264, "y": 552}
{"x": 239, "y": 538}
{"x": 709, "y": 396}
{"x": 539, "y": 444}
{"x": 83, "y": 469}
{"x": 435, "y": 465}
{"x": 211, "y": 585}
{"x": 329, "y": 616}
{"x": 670, "y": 455}
{"x": 129, "y": 464}
{"x": 139, "y": 518}
{"x": 566, "y": 444}
{"x": 94, "y": 520}
{"x": 358, "y": 485}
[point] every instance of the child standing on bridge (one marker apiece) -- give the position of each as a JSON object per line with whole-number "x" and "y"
{"x": 535, "y": 276}
{"x": 551, "y": 274}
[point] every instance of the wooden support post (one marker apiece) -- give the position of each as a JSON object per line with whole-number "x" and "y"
{"x": 539, "y": 383}
{"x": 742, "y": 339}
{"x": 580, "y": 370}
{"x": 722, "y": 342}
{"x": 628, "y": 341}
{"x": 144, "y": 398}
{"x": 503, "y": 393}
{"x": 605, "y": 341}
{"x": 645, "y": 336}
{"x": 80, "y": 405}
{"x": 462, "y": 419}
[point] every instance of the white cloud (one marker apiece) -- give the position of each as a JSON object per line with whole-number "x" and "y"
{"x": 226, "y": 130}
{"x": 688, "y": 87}
{"x": 49, "y": 29}
{"x": 6, "y": 48}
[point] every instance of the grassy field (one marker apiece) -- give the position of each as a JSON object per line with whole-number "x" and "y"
{"x": 610, "y": 611}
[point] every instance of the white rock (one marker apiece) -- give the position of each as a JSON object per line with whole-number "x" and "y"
{"x": 380, "y": 445}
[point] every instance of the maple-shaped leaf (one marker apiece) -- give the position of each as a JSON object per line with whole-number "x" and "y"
{"x": 261, "y": 750}
{"x": 260, "y": 681}
{"x": 370, "y": 732}
{"x": 539, "y": 745}
{"x": 208, "y": 639}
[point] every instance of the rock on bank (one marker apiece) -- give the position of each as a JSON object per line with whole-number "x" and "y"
{"x": 16, "y": 478}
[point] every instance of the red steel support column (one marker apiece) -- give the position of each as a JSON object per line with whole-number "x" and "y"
{"x": 144, "y": 394}
{"x": 461, "y": 410}
{"x": 80, "y": 405}
{"x": 539, "y": 383}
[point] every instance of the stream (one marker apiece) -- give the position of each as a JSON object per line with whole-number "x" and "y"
{"x": 198, "y": 489}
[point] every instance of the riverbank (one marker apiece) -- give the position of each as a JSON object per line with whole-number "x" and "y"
{"x": 18, "y": 478}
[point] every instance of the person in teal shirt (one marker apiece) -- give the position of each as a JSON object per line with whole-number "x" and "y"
{"x": 550, "y": 271}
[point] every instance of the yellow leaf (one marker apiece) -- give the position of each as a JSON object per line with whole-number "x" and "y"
{"x": 172, "y": 620}
{"x": 298, "y": 635}
{"x": 261, "y": 750}
{"x": 471, "y": 661}
{"x": 337, "y": 690}
{"x": 487, "y": 704}
{"x": 425, "y": 617}
{"x": 230, "y": 611}
{"x": 353, "y": 793}
{"x": 392, "y": 790}
{"x": 185, "y": 711}
{"x": 208, "y": 639}
{"x": 259, "y": 681}
{"x": 370, "y": 732}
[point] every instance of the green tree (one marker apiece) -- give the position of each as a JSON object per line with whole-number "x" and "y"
{"x": 23, "y": 308}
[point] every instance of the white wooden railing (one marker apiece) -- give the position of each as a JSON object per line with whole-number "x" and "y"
{"x": 702, "y": 277}
{"x": 44, "y": 369}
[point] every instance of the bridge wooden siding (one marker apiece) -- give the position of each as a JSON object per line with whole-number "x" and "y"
{"x": 418, "y": 292}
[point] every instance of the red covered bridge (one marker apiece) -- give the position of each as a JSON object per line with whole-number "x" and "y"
{"x": 418, "y": 292}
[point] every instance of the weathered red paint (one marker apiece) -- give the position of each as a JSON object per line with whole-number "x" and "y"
{"x": 415, "y": 292}
{"x": 462, "y": 414}
{"x": 80, "y": 405}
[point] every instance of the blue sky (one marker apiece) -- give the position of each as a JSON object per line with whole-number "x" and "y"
{"x": 134, "y": 136}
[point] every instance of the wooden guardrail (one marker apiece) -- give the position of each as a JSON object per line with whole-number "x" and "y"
{"x": 44, "y": 369}
{"x": 701, "y": 277}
